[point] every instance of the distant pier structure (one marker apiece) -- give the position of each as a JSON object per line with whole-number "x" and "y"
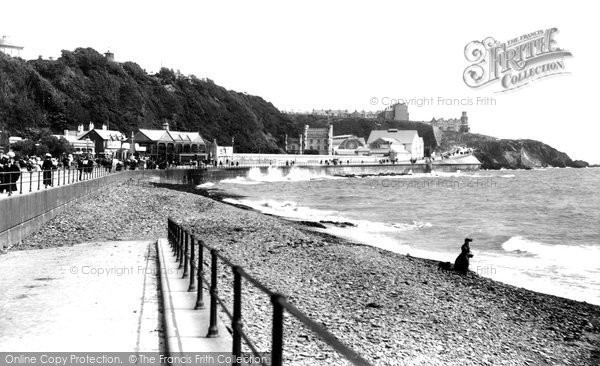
{"x": 9, "y": 49}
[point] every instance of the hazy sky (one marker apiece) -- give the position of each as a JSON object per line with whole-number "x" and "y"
{"x": 341, "y": 55}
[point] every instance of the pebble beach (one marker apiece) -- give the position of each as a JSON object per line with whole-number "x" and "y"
{"x": 392, "y": 309}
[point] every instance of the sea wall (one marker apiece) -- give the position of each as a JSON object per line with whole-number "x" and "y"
{"x": 22, "y": 215}
{"x": 199, "y": 176}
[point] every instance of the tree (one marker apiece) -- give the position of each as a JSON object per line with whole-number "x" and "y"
{"x": 56, "y": 146}
{"x": 28, "y": 148}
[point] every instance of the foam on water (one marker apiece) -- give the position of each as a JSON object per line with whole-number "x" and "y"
{"x": 292, "y": 210}
{"x": 575, "y": 257}
{"x": 276, "y": 174}
{"x": 379, "y": 234}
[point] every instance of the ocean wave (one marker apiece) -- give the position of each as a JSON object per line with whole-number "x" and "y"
{"x": 291, "y": 210}
{"x": 205, "y": 185}
{"x": 578, "y": 256}
{"x": 276, "y": 174}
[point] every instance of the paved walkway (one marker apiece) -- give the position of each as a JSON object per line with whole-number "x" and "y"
{"x": 90, "y": 297}
{"x": 186, "y": 328}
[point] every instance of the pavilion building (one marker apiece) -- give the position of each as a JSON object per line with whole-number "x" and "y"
{"x": 166, "y": 144}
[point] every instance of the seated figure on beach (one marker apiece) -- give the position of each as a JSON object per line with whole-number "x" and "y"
{"x": 462, "y": 261}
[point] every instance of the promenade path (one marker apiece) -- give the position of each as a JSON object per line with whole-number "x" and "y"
{"x": 91, "y": 297}
{"x": 33, "y": 181}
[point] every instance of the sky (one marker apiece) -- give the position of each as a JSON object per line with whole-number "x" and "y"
{"x": 304, "y": 55}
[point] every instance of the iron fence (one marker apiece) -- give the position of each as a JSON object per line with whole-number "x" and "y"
{"x": 182, "y": 243}
{"x": 24, "y": 181}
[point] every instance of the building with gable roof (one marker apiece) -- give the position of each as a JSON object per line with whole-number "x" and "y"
{"x": 104, "y": 141}
{"x": 166, "y": 144}
{"x": 384, "y": 142}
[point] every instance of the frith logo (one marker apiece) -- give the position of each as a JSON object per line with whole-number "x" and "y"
{"x": 514, "y": 63}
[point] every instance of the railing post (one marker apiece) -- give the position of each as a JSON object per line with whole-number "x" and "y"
{"x": 169, "y": 233}
{"x": 192, "y": 286}
{"x": 30, "y": 180}
{"x": 58, "y": 180}
{"x": 200, "y": 272}
{"x": 39, "y": 180}
{"x": 181, "y": 253}
{"x": 213, "y": 331}
{"x": 186, "y": 254}
{"x": 277, "y": 342}
{"x": 177, "y": 237}
{"x": 64, "y": 176}
{"x": 236, "y": 321}
{"x": 21, "y": 184}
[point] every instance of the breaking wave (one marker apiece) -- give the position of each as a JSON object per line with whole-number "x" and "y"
{"x": 278, "y": 174}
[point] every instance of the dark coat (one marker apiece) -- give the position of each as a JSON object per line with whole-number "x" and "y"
{"x": 15, "y": 174}
{"x": 463, "y": 260}
{"x": 47, "y": 167}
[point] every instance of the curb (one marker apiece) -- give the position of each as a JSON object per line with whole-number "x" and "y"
{"x": 185, "y": 329}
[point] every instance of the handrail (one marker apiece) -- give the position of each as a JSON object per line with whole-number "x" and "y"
{"x": 182, "y": 243}
{"x": 25, "y": 181}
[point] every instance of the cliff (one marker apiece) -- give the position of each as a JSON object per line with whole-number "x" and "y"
{"x": 82, "y": 86}
{"x": 511, "y": 154}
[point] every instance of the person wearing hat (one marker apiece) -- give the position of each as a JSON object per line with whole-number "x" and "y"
{"x": 3, "y": 176}
{"x": 47, "y": 167}
{"x": 462, "y": 262}
{"x": 14, "y": 171}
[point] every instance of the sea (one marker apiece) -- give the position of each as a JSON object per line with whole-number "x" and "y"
{"x": 536, "y": 229}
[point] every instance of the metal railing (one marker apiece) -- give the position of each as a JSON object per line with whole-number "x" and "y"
{"x": 182, "y": 243}
{"x": 23, "y": 181}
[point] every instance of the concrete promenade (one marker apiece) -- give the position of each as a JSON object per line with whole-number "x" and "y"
{"x": 92, "y": 297}
{"x": 186, "y": 328}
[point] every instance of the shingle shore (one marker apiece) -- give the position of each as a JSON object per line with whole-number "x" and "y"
{"x": 392, "y": 309}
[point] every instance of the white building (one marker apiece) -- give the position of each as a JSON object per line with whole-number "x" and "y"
{"x": 404, "y": 144}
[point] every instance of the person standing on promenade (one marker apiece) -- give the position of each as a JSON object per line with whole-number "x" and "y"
{"x": 461, "y": 264}
{"x": 47, "y": 167}
{"x": 15, "y": 172}
{"x": 89, "y": 166}
{"x": 80, "y": 167}
{"x": 3, "y": 173}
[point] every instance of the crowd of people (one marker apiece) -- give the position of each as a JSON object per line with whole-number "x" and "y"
{"x": 10, "y": 172}
{"x": 12, "y": 167}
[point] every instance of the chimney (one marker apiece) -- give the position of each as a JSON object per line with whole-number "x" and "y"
{"x": 91, "y": 126}
{"x": 104, "y": 126}
{"x": 165, "y": 126}
{"x": 66, "y": 133}
{"x": 80, "y": 128}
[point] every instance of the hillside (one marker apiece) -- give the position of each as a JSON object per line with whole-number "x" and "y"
{"x": 82, "y": 86}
